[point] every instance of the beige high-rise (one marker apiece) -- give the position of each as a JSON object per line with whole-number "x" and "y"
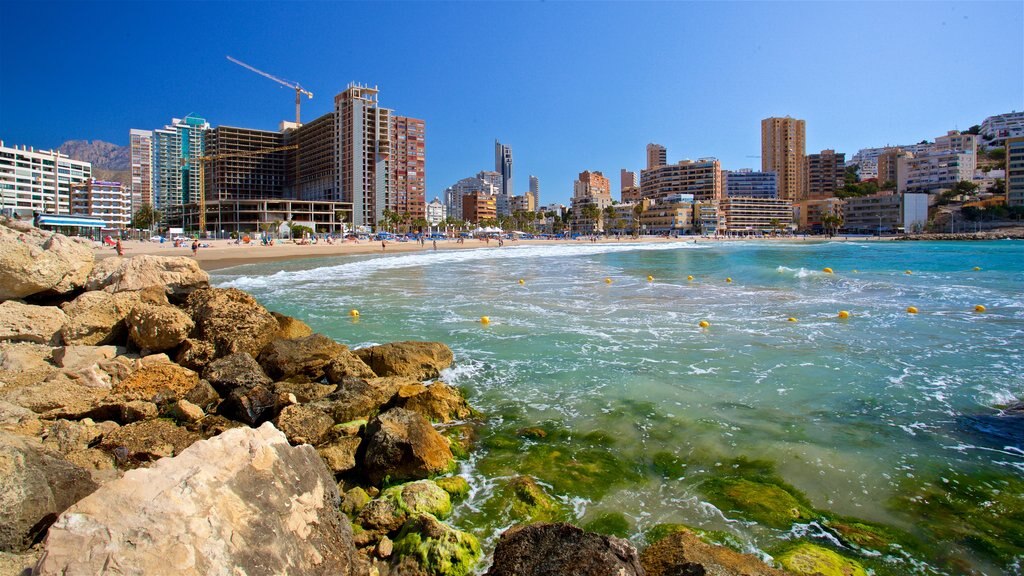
{"x": 783, "y": 152}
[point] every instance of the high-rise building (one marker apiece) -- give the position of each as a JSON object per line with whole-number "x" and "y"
{"x": 108, "y": 201}
{"x": 1015, "y": 171}
{"x": 702, "y": 178}
{"x": 141, "y": 148}
{"x": 591, "y": 189}
{"x": 484, "y": 182}
{"x": 627, "y": 179}
{"x": 503, "y": 166}
{"x": 951, "y": 159}
{"x": 477, "y": 207}
{"x": 535, "y": 189}
{"x": 175, "y": 176}
{"x": 364, "y": 138}
{"x": 38, "y": 180}
{"x": 408, "y": 166}
{"x": 238, "y": 171}
{"x": 435, "y": 212}
{"x": 657, "y": 155}
{"x": 783, "y": 152}
{"x": 825, "y": 174}
{"x": 314, "y": 169}
{"x": 749, "y": 184}
{"x": 885, "y": 164}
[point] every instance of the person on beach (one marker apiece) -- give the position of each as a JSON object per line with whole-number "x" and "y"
{"x": 383, "y": 245}
{"x": 195, "y": 248}
{"x": 435, "y": 245}
{"x": 119, "y": 248}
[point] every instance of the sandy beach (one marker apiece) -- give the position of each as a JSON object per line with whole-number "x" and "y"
{"x": 225, "y": 253}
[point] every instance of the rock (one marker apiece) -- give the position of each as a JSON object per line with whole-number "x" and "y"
{"x": 304, "y": 390}
{"x": 177, "y": 275}
{"x": 303, "y": 424}
{"x": 420, "y": 497}
{"x": 385, "y": 547}
{"x": 419, "y": 360}
{"x": 100, "y": 465}
{"x": 357, "y": 399}
{"x": 768, "y": 504}
{"x": 203, "y": 396}
{"x": 19, "y": 564}
{"x": 438, "y": 402}
{"x": 288, "y": 327}
{"x": 251, "y": 406}
{"x": 683, "y": 552}
{"x": 59, "y": 391}
{"x": 116, "y": 410}
{"x": 79, "y": 357}
{"x": 402, "y": 445}
{"x": 382, "y": 516}
{"x": 139, "y": 443}
{"x": 811, "y": 559}
{"x": 440, "y": 549}
{"x": 96, "y": 318}
{"x": 244, "y": 502}
{"x": 27, "y": 323}
{"x": 35, "y": 486}
{"x": 157, "y": 328}
{"x": 18, "y": 420}
{"x": 166, "y": 380}
{"x": 530, "y": 503}
{"x": 354, "y": 501}
{"x": 67, "y": 436}
{"x": 347, "y": 365}
{"x": 231, "y": 320}
{"x": 185, "y": 411}
{"x": 239, "y": 370}
{"x": 456, "y": 486}
{"x": 213, "y": 425}
{"x": 305, "y": 356}
{"x": 26, "y": 357}
{"x": 27, "y": 266}
{"x": 195, "y": 354}
{"x": 538, "y": 549}
{"x": 339, "y": 454}
{"x": 118, "y": 368}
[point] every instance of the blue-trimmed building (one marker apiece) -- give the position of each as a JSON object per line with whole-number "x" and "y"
{"x": 746, "y": 183}
{"x": 176, "y": 181}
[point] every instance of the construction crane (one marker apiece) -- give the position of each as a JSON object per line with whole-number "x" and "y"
{"x": 202, "y": 160}
{"x": 299, "y": 90}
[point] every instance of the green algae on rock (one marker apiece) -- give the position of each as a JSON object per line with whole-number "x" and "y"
{"x": 811, "y": 559}
{"x": 420, "y": 497}
{"x": 718, "y": 537}
{"x": 530, "y": 503}
{"x": 456, "y": 486}
{"x": 440, "y": 550}
{"x": 766, "y": 504}
{"x": 610, "y": 524}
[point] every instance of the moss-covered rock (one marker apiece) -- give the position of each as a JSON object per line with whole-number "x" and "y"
{"x": 461, "y": 439}
{"x": 530, "y": 503}
{"x": 668, "y": 465}
{"x": 811, "y": 559}
{"x": 421, "y": 497}
{"x": 456, "y": 486}
{"x": 439, "y": 549}
{"x": 765, "y": 504}
{"x": 609, "y": 524}
{"x": 354, "y": 501}
{"x": 661, "y": 531}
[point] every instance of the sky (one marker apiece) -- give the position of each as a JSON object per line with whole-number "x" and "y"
{"x": 571, "y": 86}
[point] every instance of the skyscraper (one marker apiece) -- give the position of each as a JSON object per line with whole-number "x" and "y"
{"x": 656, "y": 156}
{"x": 364, "y": 137}
{"x": 503, "y": 166}
{"x": 408, "y": 167}
{"x": 627, "y": 179}
{"x": 535, "y": 189}
{"x": 175, "y": 177}
{"x": 141, "y": 144}
{"x": 783, "y": 152}
{"x": 825, "y": 174}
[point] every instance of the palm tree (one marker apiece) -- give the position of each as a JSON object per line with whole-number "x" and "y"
{"x": 638, "y": 211}
{"x": 608, "y": 216}
{"x": 591, "y": 213}
{"x": 831, "y": 222}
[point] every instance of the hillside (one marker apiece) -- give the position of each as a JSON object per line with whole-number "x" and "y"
{"x": 102, "y": 155}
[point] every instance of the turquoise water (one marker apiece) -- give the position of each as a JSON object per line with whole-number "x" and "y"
{"x": 860, "y": 415}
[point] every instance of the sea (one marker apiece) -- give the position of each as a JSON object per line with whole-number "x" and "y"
{"x": 596, "y": 378}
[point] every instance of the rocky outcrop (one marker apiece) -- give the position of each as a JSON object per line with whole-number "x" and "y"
{"x": 402, "y": 445}
{"x": 243, "y": 502}
{"x": 289, "y": 328}
{"x": 439, "y": 549}
{"x": 543, "y": 549}
{"x": 252, "y": 406}
{"x": 27, "y": 323}
{"x": 303, "y": 424}
{"x": 168, "y": 381}
{"x": 35, "y": 486}
{"x": 437, "y": 402}
{"x": 306, "y": 356}
{"x": 419, "y": 360}
{"x": 142, "y": 442}
{"x": 357, "y": 399}
{"x": 177, "y": 275}
{"x": 96, "y": 318}
{"x": 347, "y": 365}
{"x": 157, "y": 328}
{"x": 32, "y": 264}
{"x": 682, "y": 552}
{"x": 239, "y": 370}
{"x": 231, "y": 320}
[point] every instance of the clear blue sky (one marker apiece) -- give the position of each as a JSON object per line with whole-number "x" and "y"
{"x": 570, "y": 86}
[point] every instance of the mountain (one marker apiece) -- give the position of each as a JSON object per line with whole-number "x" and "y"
{"x": 109, "y": 161}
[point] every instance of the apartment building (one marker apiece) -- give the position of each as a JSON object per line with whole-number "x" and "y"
{"x": 535, "y": 189}
{"x": 749, "y": 184}
{"x": 408, "y": 166}
{"x": 1015, "y": 171}
{"x": 364, "y": 138}
{"x": 809, "y": 214}
{"x": 886, "y": 164}
{"x": 485, "y": 182}
{"x": 886, "y": 212}
{"x": 140, "y": 144}
{"x": 700, "y": 178}
{"x": 783, "y": 151}
{"x": 996, "y": 130}
{"x": 313, "y": 169}
{"x": 175, "y": 175}
{"x": 503, "y": 166}
{"x": 627, "y": 179}
{"x": 524, "y": 203}
{"x": 657, "y": 155}
{"x": 435, "y": 212}
{"x": 40, "y": 181}
{"x": 240, "y": 169}
{"x": 825, "y": 174}
{"x": 590, "y": 189}
{"x": 478, "y": 207}
{"x": 670, "y": 215}
{"x": 109, "y": 201}
{"x": 743, "y": 215}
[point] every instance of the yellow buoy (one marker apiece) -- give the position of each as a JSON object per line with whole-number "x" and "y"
{"x": 790, "y": 319}
{"x": 521, "y": 281}
{"x": 976, "y": 268}
{"x": 844, "y": 314}
{"x": 689, "y": 277}
{"x": 907, "y": 272}
{"x": 650, "y": 278}
{"x": 854, "y": 270}
{"x": 727, "y": 280}
{"x": 607, "y": 280}
{"x": 979, "y": 308}
{"x": 353, "y": 313}
{"x": 911, "y": 309}
{"x": 485, "y": 320}
{"x": 704, "y": 324}
{"x": 826, "y": 270}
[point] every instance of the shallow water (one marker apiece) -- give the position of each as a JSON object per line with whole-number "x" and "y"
{"x": 851, "y": 412}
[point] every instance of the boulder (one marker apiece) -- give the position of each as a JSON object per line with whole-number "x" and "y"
{"x": 456, "y": 486}
{"x": 339, "y": 454}
{"x": 195, "y": 354}
{"x": 28, "y": 323}
{"x": 185, "y": 411}
{"x": 402, "y": 445}
{"x": 18, "y": 420}
{"x": 440, "y": 549}
{"x": 57, "y": 392}
{"x": 35, "y": 486}
{"x": 239, "y": 370}
{"x": 288, "y": 327}
{"x": 166, "y": 380}
{"x": 177, "y": 275}
{"x": 354, "y": 501}
{"x": 306, "y": 356}
{"x": 79, "y": 357}
{"x": 67, "y": 436}
{"x": 683, "y": 552}
{"x": 357, "y": 399}
{"x": 304, "y": 390}
{"x": 231, "y": 320}
{"x": 530, "y": 503}
{"x": 536, "y": 549}
{"x": 57, "y": 264}
{"x": 252, "y": 406}
{"x": 203, "y": 395}
{"x": 25, "y": 357}
{"x": 813, "y": 560}
{"x": 382, "y": 516}
{"x": 303, "y": 424}
{"x": 244, "y": 502}
{"x": 96, "y": 318}
{"x": 347, "y": 365}
{"x": 420, "y": 497}
{"x": 117, "y": 410}
{"x": 158, "y": 328}
{"x": 437, "y": 402}
{"x": 139, "y": 443}
{"x": 419, "y": 360}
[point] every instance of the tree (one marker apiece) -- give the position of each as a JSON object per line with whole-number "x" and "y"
{"x": 638, "y": 211}
{"x": 852, "y": 174}
{"x": 965, "y": 188}
{"x": 145, "y": 217}
{"x": 976, "y": 129}
{"x": 343, "y": 216}
{"x": 775, "y": 224}
{"x": 831, "y": 222}
{"x": 591, "y": 213}
{"x": 608, "y": 217}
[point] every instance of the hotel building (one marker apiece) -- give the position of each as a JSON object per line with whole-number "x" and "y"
{"x": 825, "y": 174}
{"x": 756, "y": 214}
{"x": 750, "y": 184}
{"x": 108, "y": 201}
{"x": 38, "y": 180}
{"x": 701, "y": 178}
{"x": 590, "y": 189}
{"x": 140, "y": 144}
{"x": 783, "y": 152}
